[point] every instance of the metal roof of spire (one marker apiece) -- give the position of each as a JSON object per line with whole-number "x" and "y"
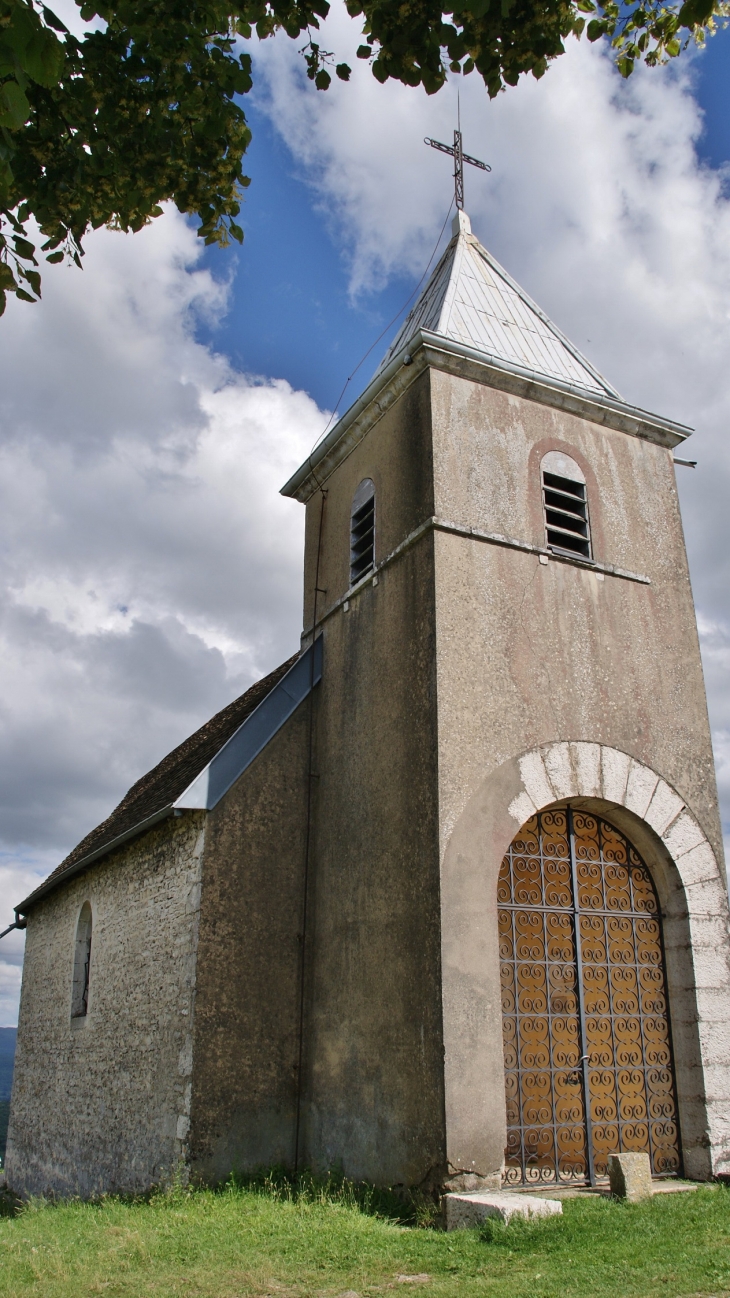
{"x": 471, "y": 299}
{"x": 472, "y": 318}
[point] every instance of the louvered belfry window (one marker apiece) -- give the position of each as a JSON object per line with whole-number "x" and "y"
{"x": 565, "y": 503}
{"x": 362, "y": 531}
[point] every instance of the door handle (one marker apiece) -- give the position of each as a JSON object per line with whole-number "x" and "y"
{"x": 574, "y": 1078}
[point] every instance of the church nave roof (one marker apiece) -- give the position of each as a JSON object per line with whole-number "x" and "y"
{"x": 155, "y": 793}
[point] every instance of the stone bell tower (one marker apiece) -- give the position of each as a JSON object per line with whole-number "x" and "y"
{"x": 516, "y": 940}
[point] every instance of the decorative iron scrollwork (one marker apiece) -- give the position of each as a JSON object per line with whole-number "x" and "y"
{"x": 587, "y": 1051}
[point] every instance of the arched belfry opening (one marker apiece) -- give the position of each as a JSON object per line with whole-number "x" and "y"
{"x": 587, "y": 1041}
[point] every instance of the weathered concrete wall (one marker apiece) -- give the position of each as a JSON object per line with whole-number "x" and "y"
{"x": 101, "y": 1103}
{"x": 530, "y": 653}
{"x": 373, "y": 1059}
{"x": 396, "y": 455}
{"x": 248, "y": 983}
{"x": 533, "y": 653}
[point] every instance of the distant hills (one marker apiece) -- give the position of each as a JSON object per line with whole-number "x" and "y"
{"x": 7, "y": 1059}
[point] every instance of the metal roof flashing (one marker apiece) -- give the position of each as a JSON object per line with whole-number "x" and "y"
{"x": 425, "y": 350}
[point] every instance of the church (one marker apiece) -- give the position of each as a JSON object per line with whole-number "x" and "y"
{"x": 441, "y": 901}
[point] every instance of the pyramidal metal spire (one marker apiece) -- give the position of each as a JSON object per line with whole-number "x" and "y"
{"x": 470, "y": 299}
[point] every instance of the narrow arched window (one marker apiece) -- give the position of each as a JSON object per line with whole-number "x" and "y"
{"x": 82, "y": 964}
{"x": 565, "y": 504}
{"x": 362, "y": 531}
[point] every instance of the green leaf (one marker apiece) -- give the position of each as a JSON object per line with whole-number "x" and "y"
{"x": 477, "y": 8}
{"x": 364, "y": 51}
{"x": 595, "y": 29}
{"x": 322, "y": 80}
{"x": 695, "y": 12}
{"x": 14, "y": 106}
{"x": 343, "y": 71}
{"x": 34, "y": 279}
{"x": 24, "y": 247}
{"x": 51, "y": 20}
{"x": 54, "y": 256}
{"x": 24, "y": 297}
{"x": 43, "y": 58}
{"x": 7, "y": 278}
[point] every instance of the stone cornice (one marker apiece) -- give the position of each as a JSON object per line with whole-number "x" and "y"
{"x": 428, "y": 350}
{"x": 435, "y": 524}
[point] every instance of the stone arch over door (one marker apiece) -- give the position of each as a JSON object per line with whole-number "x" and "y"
{"x": 692, "y": 893}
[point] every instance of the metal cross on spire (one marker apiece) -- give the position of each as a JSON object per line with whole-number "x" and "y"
{"x": 457, "y": 153}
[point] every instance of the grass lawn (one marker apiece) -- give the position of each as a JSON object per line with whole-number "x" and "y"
{"x": 243, "y": 1241}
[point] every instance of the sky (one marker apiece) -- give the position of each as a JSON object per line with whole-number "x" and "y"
{"x": 153, "y": 404}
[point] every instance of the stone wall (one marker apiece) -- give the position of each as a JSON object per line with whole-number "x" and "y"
{"x": 246, "y": 1041}
{"x": 101, "y": 1103}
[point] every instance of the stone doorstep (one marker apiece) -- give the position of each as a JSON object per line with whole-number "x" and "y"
{"x": 471, "y": 1209}
{"x": 603, "y": 1188}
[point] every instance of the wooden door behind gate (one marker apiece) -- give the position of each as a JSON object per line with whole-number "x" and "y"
{"x": 587, "y": 1049}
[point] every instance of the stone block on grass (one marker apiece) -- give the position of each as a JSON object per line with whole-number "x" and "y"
{"x": 630, "y": 1176}
{"x": 464, "y": 1210}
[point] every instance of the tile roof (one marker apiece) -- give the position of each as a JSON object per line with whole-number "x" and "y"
{"x": 169, "y": 779}
{"x": 472, "y": 300}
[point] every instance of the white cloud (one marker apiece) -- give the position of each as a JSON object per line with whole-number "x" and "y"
{"x": 150, "y": 569}
{"x": 18, "y": 877}
{"x": 715, "y": 642}
{"x": 11, "y": 975}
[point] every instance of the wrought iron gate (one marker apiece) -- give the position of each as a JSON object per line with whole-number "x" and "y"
{"x": 587, "y": 1048}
